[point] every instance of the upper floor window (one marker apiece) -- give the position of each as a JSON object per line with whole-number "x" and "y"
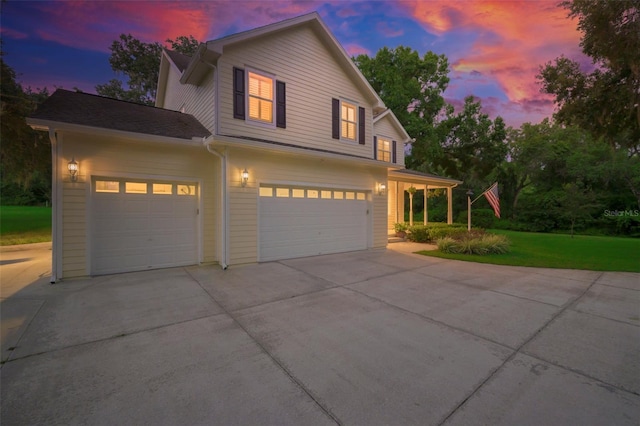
{"x": 263, "y": 96}
{"x": 260, "y": 97}
{"x": 348, "y": 121}
{"x": 384, "y": 150}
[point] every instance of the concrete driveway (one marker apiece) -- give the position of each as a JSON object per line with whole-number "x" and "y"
{"x": 381, "y": 337}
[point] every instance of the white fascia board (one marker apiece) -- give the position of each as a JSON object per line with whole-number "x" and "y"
{"x": 430, "y": 180}
{"x": 38, "y": 124}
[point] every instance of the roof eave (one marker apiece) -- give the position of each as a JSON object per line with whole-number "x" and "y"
{"x": 46, "y": 125}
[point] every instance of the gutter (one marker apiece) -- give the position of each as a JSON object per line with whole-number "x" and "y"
{"x": 55, "y": 206}
{"x": 223, "y": 201}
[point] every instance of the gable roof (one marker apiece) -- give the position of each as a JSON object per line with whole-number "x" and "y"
{"x": 210, "y": 51}
{"x": 84, "y": 109}
{"x": 180, "y": 60}
{"x": 396, "y": 123}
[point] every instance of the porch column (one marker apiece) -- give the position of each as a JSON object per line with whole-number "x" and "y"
{"x": 425, "y": 214}
{"x": 450, "y": 205}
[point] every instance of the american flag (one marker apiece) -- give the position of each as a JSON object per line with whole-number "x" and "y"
{"x": 493, "y": 198}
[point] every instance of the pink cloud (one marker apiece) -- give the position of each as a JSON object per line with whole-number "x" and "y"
{"x": 513, "y": 38}
{"x": 387, "y": 31}
{"x": 8, "y": 32}
{"x": 355, "y": 49}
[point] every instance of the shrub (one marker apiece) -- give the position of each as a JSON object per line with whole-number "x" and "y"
{"x": 433, "y": 231}
{"x": 475, "y": 243}
{"x": 400, "y": 226}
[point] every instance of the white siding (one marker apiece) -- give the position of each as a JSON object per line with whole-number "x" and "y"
{"x": 292, "y": 170}
{"x": 198, "y": 101}
{"x": 384, "y": 128}
{"x": 101, "y": 156}
{"x": 312, "y": 77}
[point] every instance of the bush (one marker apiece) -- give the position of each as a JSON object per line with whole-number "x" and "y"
{"x": 433, "y": 231}
{"x": 475, "y": 243}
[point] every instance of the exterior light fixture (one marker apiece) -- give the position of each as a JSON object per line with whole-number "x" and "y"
{"x": 382, "y": 188}
{"x": 73, "y": 169}
{"x": 245, "y": 178}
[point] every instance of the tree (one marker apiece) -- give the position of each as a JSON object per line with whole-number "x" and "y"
{"x": 472, "y": 145}
{"x": 25, "y": 155}
{"x": 605, "y": 102}
{"x": 140, "y": 62}
{"x": 411, "y": 86}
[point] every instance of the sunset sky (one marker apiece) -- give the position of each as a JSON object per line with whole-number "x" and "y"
{"x": 495, "y": 48}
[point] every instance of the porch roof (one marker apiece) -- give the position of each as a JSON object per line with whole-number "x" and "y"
{"x": 413, "y": 176}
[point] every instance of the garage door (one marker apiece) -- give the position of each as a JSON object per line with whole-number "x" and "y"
{"x": 138, "y": 225}
{"x": 297, "y": 222}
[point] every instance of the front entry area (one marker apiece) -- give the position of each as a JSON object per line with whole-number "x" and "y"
{"x": 300, "y": 221}
{"x": 139, "y": 225}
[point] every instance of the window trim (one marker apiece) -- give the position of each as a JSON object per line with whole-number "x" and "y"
{"x": 344, "y": 120}
{"x": 379, "y": 142}
{"x": 247, "y": 96}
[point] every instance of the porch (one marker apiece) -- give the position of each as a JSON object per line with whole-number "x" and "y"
{"x": 402, "y": 180}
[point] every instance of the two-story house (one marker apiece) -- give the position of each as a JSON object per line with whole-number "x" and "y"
{"x": 264, "y": 145}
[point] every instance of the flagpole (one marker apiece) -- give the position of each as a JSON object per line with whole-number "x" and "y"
{"x": 469, "y": 203}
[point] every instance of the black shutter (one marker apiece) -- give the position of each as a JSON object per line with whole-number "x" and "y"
{"x": 375, "y": 147}
{"x": 281, "y": 107}
{"x": 393, "y": 152}
{"x": 361, "y": 125}
{"x": 238, "y": 93}
{"x": 335, "y": 118}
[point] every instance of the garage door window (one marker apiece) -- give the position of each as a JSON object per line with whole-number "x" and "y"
{"x": 107, "y": 186}
{"x": 135, "y": 188}
{"x": 162, "y": 188}
{"x": 326, "y": 194}
{"x": 186, "y": 190}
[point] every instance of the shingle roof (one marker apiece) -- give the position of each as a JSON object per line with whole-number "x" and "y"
{"x": 181, "y": 61}
{"x": 97, "y": 111}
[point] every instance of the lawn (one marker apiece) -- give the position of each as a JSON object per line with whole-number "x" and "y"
{"x": 24, "y": 224}
{"x": 561, "y": 251}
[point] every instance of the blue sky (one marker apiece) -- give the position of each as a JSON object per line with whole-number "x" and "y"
{"x": 494, "y": 48}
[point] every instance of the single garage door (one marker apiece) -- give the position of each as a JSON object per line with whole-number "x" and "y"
{"x": 139, "y": 225}
{"x": 298, "y": 222}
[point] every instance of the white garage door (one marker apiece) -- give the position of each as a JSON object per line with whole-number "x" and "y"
{"x": 298, "y": 222}
{"x": 140, "y": 225}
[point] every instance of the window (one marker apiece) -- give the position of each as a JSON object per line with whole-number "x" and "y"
{"x": 162, "y": 188}
{"x": 107, "y": 186}
{"x": 384, "y": 150}
{"x": 135, "y": 188}
{"x": 282, "y": 192}
{"x": 186, "y": 189}
{"x": 297, "y": 193}
{"x": 266, "y": 191}
{"x": 260, "y": 97}
{"x": 348, "y": 121}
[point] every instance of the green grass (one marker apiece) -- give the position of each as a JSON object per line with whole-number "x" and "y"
{"x": 24, "y": 225}
{"x": 561, "y": 251}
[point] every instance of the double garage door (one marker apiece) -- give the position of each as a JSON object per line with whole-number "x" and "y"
{"x": 298, "y": 222}
{"x": 139, "y": 225}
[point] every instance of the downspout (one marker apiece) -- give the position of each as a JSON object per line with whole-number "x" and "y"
{"x": 55, "y": 229}
{"x": 223, "y": 203}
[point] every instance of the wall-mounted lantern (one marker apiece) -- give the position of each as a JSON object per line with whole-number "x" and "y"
{"x": 73, "y": 169}
{"x": 382, "y": 188}
{"x": 244, "y": 178}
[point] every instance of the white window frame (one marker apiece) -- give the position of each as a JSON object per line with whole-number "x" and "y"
{"x": 389, "y": 152}
{"x": 356, "y": 111}
{"x": 248, "y": 97}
